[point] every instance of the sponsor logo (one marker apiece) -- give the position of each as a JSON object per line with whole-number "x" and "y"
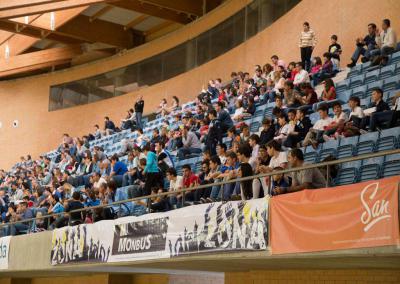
{"x": 375, "y": 210}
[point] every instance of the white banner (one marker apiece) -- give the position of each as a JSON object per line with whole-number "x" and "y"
{"x": 236, "y": 225}
{"x": 4, "y": 251}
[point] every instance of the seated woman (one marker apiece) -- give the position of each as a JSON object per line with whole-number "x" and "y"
{"x": 238, "y": 115}
{"x": 329, "y": 91}
{"x": 326, "y": 70}
{"x": 316, "y": 66}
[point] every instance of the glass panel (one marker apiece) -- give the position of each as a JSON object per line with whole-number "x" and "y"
{"x": 174, "y": 61}
{"x": 197, "y": 51}
{"x": 252, "y": 19}
{"x": 203, "y": 48}
{"x": 150, "y": 71}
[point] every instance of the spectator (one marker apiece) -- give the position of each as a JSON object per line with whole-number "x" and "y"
{"x": 386, "y": 40}
{"x": 303, "y": 179}
{"x": 276, "y": 62}
{"x": 267, "y": 132}
{"x": 139, "y": 106}
{"x": 329, "y": 91}
{"x": 221, "y": 152}
{"x": 229, "y": 172}
{"x": 301, "y": 128}
{"x": 75, "y": 218}
{"x": 368, "y": 42}
{"x": 292, "y": 96}
{"x": 118, "y": 170}
{"x": 97, "y": 132}
{"x": 301, "y": 75}
{"x": 307, "y": 43}
{"x": 151, "y": 170}
{"x": 246, "y": 190}
{"x": 22, "y": 213}
{"x": 378, "y": 112}
{"x": 336, "y": 126}
{"x": 279, "y": 181}
{"x": 316, "y": 66}
{"x": 109, "y": 126}
{"x": 214, "y": 133}
{"x": 335, "y": 49}
{"x": 326, "y": 70}
{"x": 223, "y": 116}
{"x": 284, "y": 129}
{"x": 314, "y": 135}
{"x": 189, "y": 180}
{"x": 191, "y": 144}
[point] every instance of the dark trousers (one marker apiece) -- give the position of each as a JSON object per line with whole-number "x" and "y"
{"x": 306, "y": 57}
{"x": 152, "y": 180}
{"x": 377, "y": 119}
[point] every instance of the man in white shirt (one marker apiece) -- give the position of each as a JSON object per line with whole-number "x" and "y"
{"x": 175, "y": 184}
{"x": 386, "y": 39}
{"x": 314, "y": 135}
{"x": 357, "y": 113}
{"x": 301, "y": 76}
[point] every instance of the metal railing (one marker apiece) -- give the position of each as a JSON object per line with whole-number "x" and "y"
{"x": 220, "y": 183}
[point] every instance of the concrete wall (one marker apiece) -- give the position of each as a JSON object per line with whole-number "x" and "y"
{"x": 40, "y": 130}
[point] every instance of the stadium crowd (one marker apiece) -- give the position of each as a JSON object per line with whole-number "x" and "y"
{"x": 83, "y": 176}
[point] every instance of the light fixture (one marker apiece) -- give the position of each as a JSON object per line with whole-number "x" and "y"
{"x": 26, "y": 20}
{"x": 7, "y": 51}
{"x": 52, "y": 21}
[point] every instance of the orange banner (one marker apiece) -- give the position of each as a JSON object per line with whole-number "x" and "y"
{"x": 344, "y": 217}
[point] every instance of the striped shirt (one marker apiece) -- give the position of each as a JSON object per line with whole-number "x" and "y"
{"x": 307, "y": 38}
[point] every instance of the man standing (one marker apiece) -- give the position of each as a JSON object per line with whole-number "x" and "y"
{"x": 139, "y": 105}
{"x": 214, "y": 133}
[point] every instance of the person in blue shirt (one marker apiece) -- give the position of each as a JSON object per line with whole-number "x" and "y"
{"x": 153, "y": 176}
{"x": 118, "y": 170}
{"x": 279, "y": 181}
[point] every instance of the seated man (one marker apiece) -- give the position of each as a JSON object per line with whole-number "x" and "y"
{"x": 301, "y": 75}
{"x": 364, "y": 46}
{"x": 314, "y": 135}
{"x": 191, "y": 144}
{"x": 378, "y": 112}
{"x": 118, "y": 170}
{"x": 22, "y": 213}
{"x": 386, "y": 40}
{"x": 189, "y": 180}
{"x": 109, "y": 126}
{"x": 303, "y": 179}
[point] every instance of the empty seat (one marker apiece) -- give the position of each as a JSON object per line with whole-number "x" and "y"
{"x": 328, "y": 149}
{"x": 346, "y": 147}
{"x": 342, "y": 86}
{"x": 370, "y": 169}
{"x": 391, "y": 166}
{"x": 388, "y": 139}
{"x": 371, "y": 77}
{"x": 346, "y": 176}
{"x": 356, "y": 81}
{"x": 395, "y": 58}
{"x": 310, "y": 155}
{"x": 391, "y": 83}
{"x": 387, "y": 71}
{"x": 344, "y": 96}
{"x": 355, "y": 71}
{"x": 367, "y": 142}
{"x": 359, "y": 91}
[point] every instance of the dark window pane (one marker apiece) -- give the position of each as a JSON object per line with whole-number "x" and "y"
{"x": 55, "y": 101}
{"x": 252, "y": 19}
{"x": 150, "y": 71}
{"x": 203, "y": 48}
{"x": 238, "y": 27}
{"x": 174, "y": 61}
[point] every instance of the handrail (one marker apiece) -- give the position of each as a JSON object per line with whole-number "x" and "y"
{"x": 148, "y": 197}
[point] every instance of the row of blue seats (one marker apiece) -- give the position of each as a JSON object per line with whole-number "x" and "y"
{"x": 368, "y": 169}
{"x": 360, "y": 89}
{"x": 387, "y": 139}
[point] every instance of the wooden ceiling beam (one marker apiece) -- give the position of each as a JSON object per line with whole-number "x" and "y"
{"x": 158, "y": 27}
{"x": 13, "y": 4}
{"x": 33, "y": 68}
{"x": 100, "y": 13}
{"x": 39, "y": 57}
{"x": 99, "y": 31}
{"x": 49, "y": 7}
{"x": 151, "y": 10}
{"x": 136, "y": 21}
{"x": 194, "y": 8}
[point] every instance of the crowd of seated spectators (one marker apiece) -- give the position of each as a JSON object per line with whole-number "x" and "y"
{"x": 215, "y": 127}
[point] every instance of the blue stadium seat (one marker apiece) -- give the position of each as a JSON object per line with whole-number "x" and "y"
{"x": 356, "y": 81}
{"x": 346, "y": 147}
{"x": 255, "y": 124}
{"x": 314, "y": 117}
{"x": 364, "y": 103}
{"x": 348, "y": 173}
{"x": 371, "y": 77}
{"x": 397, "y": 70}
{"x": 360, "y": 91}
{"x": 367, "y": 142}
{"x": 356, "y": 70}
{"x": 370, "y": 169}
{"x": 391, "y": 166}
{"x": 268, "y": 112}
{"x": 344, "y": 96}
{"x": 328, "y": 148}
{"x": 395, "y": 58}
{"x": 310, "y": 155}
{"x": 390, "y": 84}
{"x": 388, "y": 139}
{"x": 387, "y": 71}
{"x": 342, "y": 86}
